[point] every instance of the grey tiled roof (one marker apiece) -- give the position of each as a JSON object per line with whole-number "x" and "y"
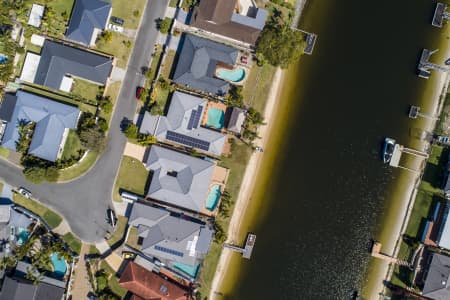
{"x": 179, "y": 179}
{"x": 87, "y": 15}
{"x": 437, "y": 281}
{"x": 197, "y": 63}
{"x": 236, "y": 120}
{"x": 51, "y": 119}
{"x": 58, "y": 60}
{"x": 158, "y": 227}
{"x": 178, "y": 117}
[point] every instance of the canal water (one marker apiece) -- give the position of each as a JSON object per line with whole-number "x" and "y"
{"x": 323, "y": 192}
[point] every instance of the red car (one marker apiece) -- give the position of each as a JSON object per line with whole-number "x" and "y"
{"x": 139, "y": 91}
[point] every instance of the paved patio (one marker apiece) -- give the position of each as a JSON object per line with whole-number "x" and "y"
{"x": 135, "y": 151}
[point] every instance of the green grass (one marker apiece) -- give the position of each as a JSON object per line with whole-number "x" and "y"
{"x": 257, "y": 86}
{"x": 72, "y": 146}
{"x": 61, "y": 5}
{"x": 79, "y": 169}
{"x": 93, "y": 250}
{"x": 237, "y": 163}
{"x": 113, "y": 92}
{"x": 50, "y": 217}
{"x": 173, "y": 3}
{"x": 1, "y": 187}
{"x": 133, "y": 238}
{"x": 118, "y": 48}
{"x": 4, "y": 152}
{"x": 113, "y": 281}
{"x": 132, "y": 177}
{"x": 161, "y": 96}
{"x": 154, "y": 65}
{"x": 168, "y": 62}
{"x": 85, "y": 89}
{"x": 73, "y": 242}
{"x": 120, "y": 230}
{"x": 124, "y": 9}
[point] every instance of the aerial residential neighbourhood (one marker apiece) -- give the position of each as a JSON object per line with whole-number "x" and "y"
{"x": 125, "y": 131}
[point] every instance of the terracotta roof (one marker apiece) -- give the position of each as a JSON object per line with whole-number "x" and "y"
{"x": 148, "y": 285}
{"x": 218, "y": 16}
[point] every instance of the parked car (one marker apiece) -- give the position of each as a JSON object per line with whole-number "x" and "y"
{"x": 244, "y": 59}
{"x": 26, "y": 193}
{"x": 139, "y": 91}
{"x": 117, "y": 20}
{"x": 115, "y": 28}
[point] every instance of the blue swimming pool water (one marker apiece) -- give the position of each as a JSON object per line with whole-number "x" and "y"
{"x": 189, "y": 270}
{"x": 3, "y": 58}
{"x": 235, "y": 75}
{"x": 213, "y": 198}
{"x": 216, "y": 118}
{"x": 59, "y": 265}
{"x": 22, "y": 236}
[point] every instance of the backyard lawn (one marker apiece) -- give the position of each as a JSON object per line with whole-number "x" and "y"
{"x": 120, "y": 230}
{"x": 126, "y": 9}
{"x": 120, "y": 46}
{"x": 132, "y": 240}
{"x": 113, "y": 281}
{"x": 72, "y": 146}
{"x": 132, "y": 177}
{"x": 73, "y": 242}
{"x": 85, "y": 89}
{"x": 257, "y": 86}
{"x": 49, "y": 216}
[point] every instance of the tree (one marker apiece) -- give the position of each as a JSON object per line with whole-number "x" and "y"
{"x": 235, "y": 97}
{"x": 131, "y": 131}
{"x": 106, "y": 105}
{"x": 255, "y": 116}
{"x": 164, "y": 25}
{"x": 147, "y": 139}
{"x": 280, "y": 45}
{"x": 51, "y": 174}
{"x": 102, "y": 125}
{"x": 35, "y": 174}
{"x": 105, "y": 37}
{"x": 93, "y": 139}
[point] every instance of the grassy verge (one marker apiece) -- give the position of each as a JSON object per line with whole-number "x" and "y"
{"x": 113, "y": 92}
{"x": 4, "y": 152}
{"x": 133, "y": 238}
{"x": 49, "y": 216}
{"x": 120, "y": 46}
{"x": 120, "y": 230}
{"x": 154, "y": 65}
{"x": 257, "y": 86}
{"x": 85, "y": 89}
{"x": 237, "y": 163}
{"x": 132, "y": 177}
{"x": 161, "y": 96}
{"x": 79, "y": 169}
{"x": 173, "y": 3}
{"x": 73, "y": 242}
{"x": 72, "y": 146}
{"x": 168, "y": 62}
{"x": 93, "y": 250}
{"x": 126, "y": 10}
{"x": 113, "y": 281}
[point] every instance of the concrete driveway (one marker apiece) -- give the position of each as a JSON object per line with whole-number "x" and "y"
{"x": 84, "y": 201}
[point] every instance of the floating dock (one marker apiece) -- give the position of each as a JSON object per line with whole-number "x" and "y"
{"x": 397, "y": 155}
{"x": 414, "y": 112}
{"x": 424, "y": 67}
{"x": 247, "y": 250}
{"x": 310, "y": 39}
{"x": 440, "y": 14}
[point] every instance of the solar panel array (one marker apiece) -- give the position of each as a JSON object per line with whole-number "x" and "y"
{"x": 194, "y": 119}
{"x": 187, "y": 140}
{"x": 170, "y": 251}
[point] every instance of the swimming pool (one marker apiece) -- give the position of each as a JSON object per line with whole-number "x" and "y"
{"x": 213, "y": 198}
{"x": 3, "y": 58}
{"x": 22, "y": 236}
{"x": 235, "y": 75}
{"x": 189, "y": 270}
{"x": 59, "y": 265}
{"x": 216, "y": 118}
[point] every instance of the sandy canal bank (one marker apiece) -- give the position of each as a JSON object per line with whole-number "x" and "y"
{"x": 248, "y": 182}
{"x": 407, "y": 194}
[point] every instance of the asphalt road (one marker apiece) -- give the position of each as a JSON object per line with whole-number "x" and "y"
{"x": 84, "y": 202}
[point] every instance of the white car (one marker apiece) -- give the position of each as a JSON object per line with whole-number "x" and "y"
{"x": 115, "y": 28}
{"x": 26, "y": 193}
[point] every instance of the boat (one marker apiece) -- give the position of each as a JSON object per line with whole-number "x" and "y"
{"x": 388, "y": 149}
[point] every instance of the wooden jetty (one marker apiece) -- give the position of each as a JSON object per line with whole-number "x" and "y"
{"x": 247, "y": 250}
{"x": 399, "y": 150}
{"x": 414, "y": 112}
{"x": 310, "y": 39}
{"x": 376, "y": 252}
{"x": 425, "y": 66}
{"x": 440, "y": 14}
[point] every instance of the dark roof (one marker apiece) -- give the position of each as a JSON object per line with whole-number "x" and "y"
{"x": 149, "y": 285}
{"x": 436, "y": 283}
{"x": 217, "y": 16}
{"x": 7, "y": 107}
{"x": 58, "y": 60}
{"x": 236, "y": 120}
{"x": 197, "y": 64}
{"x": 87, "y": 15}
{"x": 17, "y": 289}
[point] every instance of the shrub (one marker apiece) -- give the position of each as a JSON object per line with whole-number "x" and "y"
{"x": 51, "y": 174}
{"x": 34, "y": 174}
{"x": 136, "y": 13}
{"x": 106, "y": 105}
{"x": 93, "y": 139}
{"x": 103, "y": 125}
{"x": 164, "y": 25}
{"x": 131, "y": 131}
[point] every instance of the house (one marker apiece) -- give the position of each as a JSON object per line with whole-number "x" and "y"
{"x": 19, "y": 288}
{"x": 437, "y": 228}
{"x": 446, "y": 181}
{"x": 436, "y": 278}
{"x": 180, "y": 243}
{"x": 236, "y": 119}
{"x": 220, "y": 17}
{"x": 183, "y": 181}
{"x": 88, "y": 19}
{"x": 58, "y": 64}
{"x": 182, "y": 125}
{"x": 197, "y": 63}
{"x": 36, "y": 14}
{"x": 52, "y": 122}
{"x": 144, "y": 284}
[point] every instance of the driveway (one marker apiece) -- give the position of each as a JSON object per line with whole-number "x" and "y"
{"x": 84, "y": 201}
